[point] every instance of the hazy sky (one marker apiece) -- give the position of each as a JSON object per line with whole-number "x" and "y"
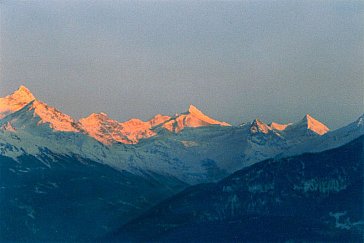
{"x": 275, "y": 60}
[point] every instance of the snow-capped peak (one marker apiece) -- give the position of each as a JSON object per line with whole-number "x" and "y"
{"x": 15, "y": 101}
{"x": 279, "y": 127}
{"x": 24, "y": 90}
{"x": 307, "y": 124}
{"x": 192, "y": 118}
{"x": 38, "y": 113}
{"x": 134, "y": 122}
{"x": 193, "y": 110}
{"x": 259, "y": 126}
{"x": 58, "y": 120}
{"x": 314, "y": 125}
{"x": 108, "y": 131}
{"x": 198, "y": 114}
{"x": 102, "y": 128}
{"x": 96, "y": 117}
{"x": 136, "y": 129}
{"x": 158, "y": 119}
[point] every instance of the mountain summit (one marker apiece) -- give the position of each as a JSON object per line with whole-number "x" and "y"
{"x": 102, "y": 128}
{"x": 258, "y": 126}
{"x": 306, "y": 127}
{"x": 192, "y": 118}
{"x": 108, "y": 131}
{"x": 22, "y": 109}
{"x": 198, "y": 114}
{"x": 23, "y": 92}
{"x": 38, "y": 113}
{"x": 314, "y": 125}
{"x": 15, "y": 101}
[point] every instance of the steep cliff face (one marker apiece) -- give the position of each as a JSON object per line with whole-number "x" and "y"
{"x": 308, "y": 197}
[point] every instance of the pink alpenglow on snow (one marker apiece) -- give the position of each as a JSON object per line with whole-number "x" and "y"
{"x": 279, "y": 127}
{"x": 15, "y": 101}
{"x": 193, "y": 118}
{"x": 259, "y": 126}
{"x": 103, "y": 129}
{"x": 136, "y": 129}
{"x": 315, "y": 126}
{"x": 108, "y": 131}
{"x": 24, "y": 99}
{"x": 50, "y": 115}
{"x": 158, "y": 119}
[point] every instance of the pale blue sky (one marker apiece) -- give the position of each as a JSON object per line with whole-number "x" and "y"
{"x": 275, "y": 60}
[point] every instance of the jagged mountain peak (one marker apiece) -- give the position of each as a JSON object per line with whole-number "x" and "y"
{"x": 57, "y": 120}
{"x": 22, "y": 94}
{"x": 192, "y": 118}
{"x": 134, "y": 122}
{"x": 15, "y": 101}
{"x": 259, "y": 126}
{"x": 194, "y": 110}
{"x": 306, "y": 126}
{"x": 100, "y": 114}
{"x": 308, "y": 117}
{"x": 109, "y": 131}
{"x": 45, "y": 115}
{"x": 257, "y": 121}
{"x": 158, "y": 119}
{"x": 136, "y": 129}
{"x": 24, "y": 90}
{"x": 314, "y": 125}
{"x": 96, "y": 117}
{"x": 102, "y": 128}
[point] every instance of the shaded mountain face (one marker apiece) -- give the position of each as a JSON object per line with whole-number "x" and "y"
{"x": 72, "y": 199}
{"x": 310, "y": 197}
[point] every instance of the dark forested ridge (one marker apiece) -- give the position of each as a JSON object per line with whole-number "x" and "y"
{"x": 310, "y": 197}
{"x": 72, "y": 199}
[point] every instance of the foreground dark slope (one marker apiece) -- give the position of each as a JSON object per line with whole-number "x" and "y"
{"x": 72, "y": 199}
{"x": 308, "y": 197}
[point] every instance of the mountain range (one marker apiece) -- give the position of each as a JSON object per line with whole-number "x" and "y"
{"x": 54, "y": 168}
{"x": 189, "y": 146}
